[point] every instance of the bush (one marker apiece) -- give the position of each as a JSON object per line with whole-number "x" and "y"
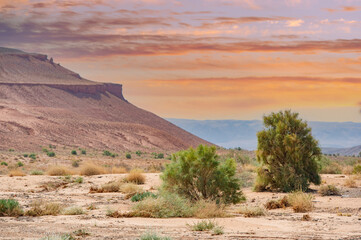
{"x": 20, "y": 164}
{"x": 329, "y": 190}
{"x": 91, "y": 169}
{"x": 153, "y": 236}
{"x": 79, "y": 180}
{"x": 288, "y": 154}
{"x": 74, "y": 152}
{"x": 16, "y": 173}
{"x": 73, "y": 211}
{"x": 138, "y": 153}
{"x": 75, "y": 163}
{"x": 58, "y": 237}
{"x": 10, "y": 208}
{"x": 141, "y": 196}
{"x": 4, "y": 164}
{"x": 25, "y": 155}
{"x": 135, "y": 176}
{"x": 32, "y": 156}
{"x": 42, "y": 208}
{"x": 128, "y": 156}
{"x": 357, "y": 169}
{"x": 332, "y": 168}
{"x": 351, "y": 183}
{"x": 130, "y": 189}
{"x": 160, "y": 155}
{"x": 197, "y": 174}
{"x": 59, "y": 171}
{"x": 50, "y": 154}
{"x": 280, "y": 203}
{"x": 204, "y": 225}
{"x": 37, "y": 172}
{"x": 83, "y": 151}
{"x": 300, "y": 201}
{"x": 118, "y": 170}
{"x": 249, "y": 211}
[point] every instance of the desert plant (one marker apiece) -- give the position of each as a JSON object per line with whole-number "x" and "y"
{"x": 58, "y": 237}
{"x": 83, "y": 151}
{"x": 20, "y": 164}
{"x": 58, "y": 171}
{"x": 118, "y": 170}
{"x": 74, "y": 152}
{"x": 36, "y": 172}
{"x": 73, "y": 211}
{"x": 75, "y": 163}
{"x": 288, "y": 154}
{"x": 306, "y": 217}
{"x": 79, "y": 180}
{"x": 300, "y": 201}
{"x": 204, "y": 225}
{"x": 17, "y": 173}
{"x": 135, "y": 176}
{"x": 50, "y": 154}
{"x": 280, "y": 203}
{"x": 91, "y": 169}
{"x": 139, "y": 153}
{"x": 141, "y": 196}
{"x": 25, "y": 155}
{"x": 350, "y": 182}
{"x": 198, "y": 174}
{"x": 130, "y": 189}
{"x": 250, "y": 211}
{"x": 332, "y": 168}
{"x": 128, "y": 156}
{"x": 4, "y": 164}
{"x": 32, "y": 156}
{"x": 329, "y": 190}
{"x": 153, "y": 236}
{"x": 42, "y": 208}
{"x": 357, "y": 169}
{"x": 218, "y": 230}
{"x": 10, "y": 207}
{"x": 11, "y": 150}
{"x": 160, "y": 155}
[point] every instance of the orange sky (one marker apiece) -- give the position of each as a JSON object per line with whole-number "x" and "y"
{"x": 204, "y": 59}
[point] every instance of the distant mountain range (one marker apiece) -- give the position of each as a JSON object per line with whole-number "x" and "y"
{"x": 334, "y": 137}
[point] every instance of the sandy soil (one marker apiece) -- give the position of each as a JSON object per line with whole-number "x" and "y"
{"x": 277, "y": 224}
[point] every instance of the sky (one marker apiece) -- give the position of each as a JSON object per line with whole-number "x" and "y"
{"x": 204, "y": 59}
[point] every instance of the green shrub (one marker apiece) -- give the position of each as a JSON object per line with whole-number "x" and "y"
{"x": 107, "y": 153}
{"x": 11, "y": 150}
{"x": 10, "y": 207}
{"x": 288, "y": 153}
{"x": 141, "y": 196}
{"x": 20, "y": 164}
{"x": 79, "y": 180}
{"x": 37, "y": 172}
{"x": 329, "y": 190}
{"x": 197, "y": 174}
{"x": 218, "y": 230}
{"x": 25, "y": 155}
{"x": 75, "y": 163}
{"x": 128, "y": 156}
{"x": 160, "y": 155}
{"x": 32, "y": 156}
{"x": 332, "y": 168}
{"x": 51, "y": 154}
{"x": 357, "y": 169}
{"x": 45, "y": 150}
{"x": 58, "y": 237}
{"x": 83, "y": 151}
{"x": 74, "y": 152}
{"x": 204, "y": 225}
{"x": 153, "y": 236}
{"x": 3, "y": 163}
{"x": 139, "y": 153}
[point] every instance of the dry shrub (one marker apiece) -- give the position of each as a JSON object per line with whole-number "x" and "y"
{"x": 42, "y": 208}
{"x": 108, "y": 187}
{"x": 119, "y": 170}
{"x": 249, "y": 168}
{"x": 208, "y": 209}
{"x": 329, "y": 190}
{"x": 59, "y": 171}
{"x": 130, "y": 189}
{"x": 73, "y": 211}
{"x": 135, "y": 176}
{"x": 90, "y": 169}
{"x": 347, "y": 170}
{"x": 250, "y": 211}
{"x": 16, "y": 173}
{"x": 350, "y": 182}
{"x": 300, "y": 201}
{"x": 280, "y": 203}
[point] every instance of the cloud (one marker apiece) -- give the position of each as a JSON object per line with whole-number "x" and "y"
{"x": 343, "y": 9}
{"x": 294, "y": 23}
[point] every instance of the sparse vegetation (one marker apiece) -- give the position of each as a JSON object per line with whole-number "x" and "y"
{"x": 280, "y": 203}
{"x": 4, "y": 164}
{"x": 329, "y": 190}
{"x": 50, "y": 154}
{"x": 73, "y": 211}
{"x": 59, "y": 171}
{"x": 153, "y": 236}
{"x": 79, "y": 180}
{"x": 135, "y": 176}
{"x": 42, "y": 208}
{"x": 20, "y": 164}
{"x": 204, "y": 225}
{"x": 83, "y": 151}
{"x": 118, "y": 170}
{"x": 32, "y": 156}
{"x": 10, "y": 208}
{"x": 198, "y": 174}
{"x": 288, "y": 153}
{"x": 138, "y": 153}
{"x": 36, "y": 172}
{"x": 128, "y": 156}
{"x": 141, "y": 196}
{"x": 90, "y": 169}
{"x": 17, "y": 173}
{"x": 75, "y": 163}
{"x": 357, "y": 169}
{"x": 251, "y": 211}
{"x": 74, "y": 152}
{"x": 300, "y": 201}
{"x": 350, "y": 182}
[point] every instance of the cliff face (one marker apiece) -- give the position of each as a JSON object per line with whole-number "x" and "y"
{"x": 43, "y": 103}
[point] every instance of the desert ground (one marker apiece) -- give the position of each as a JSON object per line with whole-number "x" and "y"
{"x": 333, "y": 217}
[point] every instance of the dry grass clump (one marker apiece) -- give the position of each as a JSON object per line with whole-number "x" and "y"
{"x": 306, "y": 217}
{"x": 347, "y": 170}
{"x": 208, "y": 209}
{"x": 59, "y": 171}
{"x": 300, "y": 201}
{"x": 280, "y": 203}
{"x": 42, "y": 208}
{"x": 250, "y": 211}
{"x": 350, "y": 182}
{"x": 135, "y": 176}
{"x": 118, "y": 170}
{"x": 90, "y": 169}
{"x": 329, "y": 190}
{"x": 16, "y": 173}
{"x": 130, "y": 189}
{"x": 73, "y": 211}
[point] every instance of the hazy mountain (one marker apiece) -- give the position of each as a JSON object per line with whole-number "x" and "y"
{"x": 43, "y": 103}
{"x": 242, "y": 133}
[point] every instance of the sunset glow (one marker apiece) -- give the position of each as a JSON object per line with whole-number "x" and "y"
{"x": 204, "y": 59}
